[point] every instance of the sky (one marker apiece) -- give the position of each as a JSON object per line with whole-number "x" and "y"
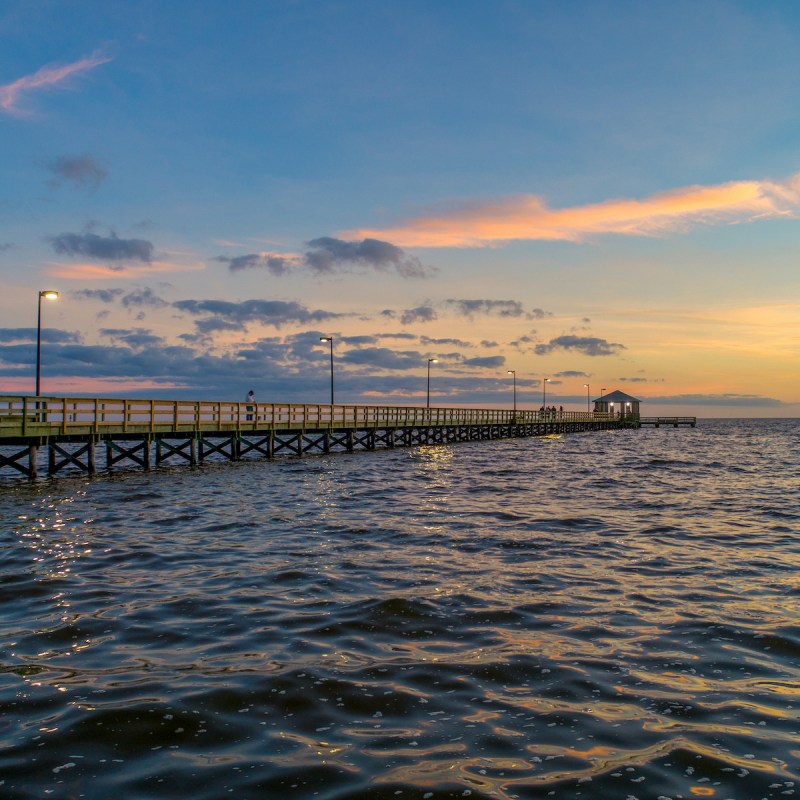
{"x": 605, "y": 194}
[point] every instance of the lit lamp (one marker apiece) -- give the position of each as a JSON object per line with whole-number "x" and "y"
{"x": 50, "y": 295}
{"x": 514, "y": 373}
{"x": 545, "y": 381}
{"x": 329, "y": 339}
{"x": 430, "y": 361}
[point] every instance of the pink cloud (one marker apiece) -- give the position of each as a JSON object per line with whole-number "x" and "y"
{"x": 99, "y": 387}
{"x": 105, "y": 272}
{"x": 44, "y": 78}
{"x": 527, "y": 217}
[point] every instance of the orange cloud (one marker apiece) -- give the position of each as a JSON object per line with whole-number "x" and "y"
{"x": 44, "y": 78}
{"x": 527, "y": 217}
{"x": 105, "y": 272}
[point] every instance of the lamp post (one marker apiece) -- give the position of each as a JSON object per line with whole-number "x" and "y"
{"x": 430, "y": 361}
{"x": 330, "y": 340}
{"x": 545, "y": 381}
{"x": 514, "y": 373}
{"x": 50, "y": 295}
{"x": 602, "y": 392}
{"x": 587, "y": 397}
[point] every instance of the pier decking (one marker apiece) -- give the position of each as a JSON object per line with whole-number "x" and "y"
{"x": 147, "y": 432}
{"x": 674, "y": 421}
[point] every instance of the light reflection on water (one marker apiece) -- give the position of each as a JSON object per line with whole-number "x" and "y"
{"x": 605, "y": 615}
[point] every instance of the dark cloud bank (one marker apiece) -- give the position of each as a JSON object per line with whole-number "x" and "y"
{"x": 102, "y": 248}
{"x": 588, "y": 345}
{"x": 328, "y": 255}
{"x": 293, "y": 368}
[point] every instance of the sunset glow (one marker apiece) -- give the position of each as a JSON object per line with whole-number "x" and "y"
{"x": 601, "y": 195}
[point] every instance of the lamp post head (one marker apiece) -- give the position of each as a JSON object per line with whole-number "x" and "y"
{"x": 433, "y": 360}
{"x": 49, "y": 294}
{"x": 326, "y": 338}
{"x": 512, "y": 372}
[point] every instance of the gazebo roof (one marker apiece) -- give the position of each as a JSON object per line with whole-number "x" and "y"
{"x": 617, "y": 397}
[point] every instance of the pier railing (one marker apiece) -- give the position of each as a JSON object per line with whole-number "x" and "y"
{"x": 25, "y": 416}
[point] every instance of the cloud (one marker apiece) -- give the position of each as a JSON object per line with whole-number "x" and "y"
{"x": 402, "y": 335}
{"x": 328, "y": 255}
{"x": 103, "y": 295}
{"x": 6, "y": 246}
{"x": 571, "y": 373}
{"x": 94, "y": 272}
{"x": 267, "y": 312}
{"x": 143, "y": 298}
{"x": 102, "y": 248}
{"x": 50, "y": 335}
{"x": 136, "y": 338}
{"x": 206, "y": 327}
{"x": 489, "y": 362}
{"x": 81, "y": 171}
{"x": 588, "y": 345}
{"x": 358, "y": 341}
{"x": 523, "y": 342}
{"x": 44, "y": 78}
{"x": 426, "y": 340}
{"x": 419, "y": 314}
{"x": 500, "y": 308}
{"x": 384, "y": 358}
{"x": 275, "y": 263}
{"x": 467, "y": 308}
{"x": 527, "y": 217}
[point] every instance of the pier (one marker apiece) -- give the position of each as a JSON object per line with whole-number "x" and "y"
{"x": 674, "y": 421}
{"x": 147, "y": 433}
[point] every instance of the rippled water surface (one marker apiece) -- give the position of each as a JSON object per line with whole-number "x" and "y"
{"x": 606, "y": 615}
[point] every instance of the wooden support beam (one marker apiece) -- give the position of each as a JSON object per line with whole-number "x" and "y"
{"x": 115, "y": 453}
{"x": 13, "y": 461}
{"x": 91, "y": 464}
{"x": 165, "y": 449}
{"x": 226, "y": 448}
{"x": 67, "y": 458}
{"x": 260, "y": 445}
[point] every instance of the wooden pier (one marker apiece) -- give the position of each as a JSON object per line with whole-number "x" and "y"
{"x": 674, "y": 421}
{"x": 147, "y": 433}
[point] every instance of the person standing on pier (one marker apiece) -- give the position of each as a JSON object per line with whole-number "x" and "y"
{"x": 251, "y": 398}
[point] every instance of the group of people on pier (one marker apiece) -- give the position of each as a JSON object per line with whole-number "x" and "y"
{"x": 551, "y": 412}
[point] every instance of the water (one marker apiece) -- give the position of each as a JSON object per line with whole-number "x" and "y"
{"x": 606, "y": 615}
